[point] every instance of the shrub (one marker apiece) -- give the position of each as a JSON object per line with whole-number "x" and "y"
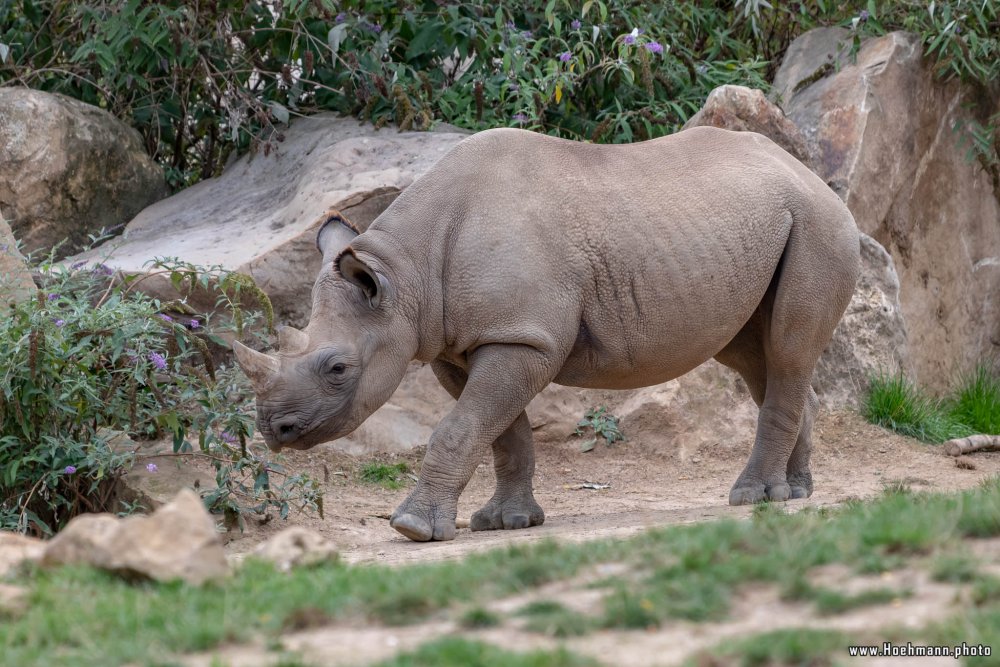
{"x": 895, "y": 403}
{"x": 88, "y": 358}
{"x": 976, "y": 403}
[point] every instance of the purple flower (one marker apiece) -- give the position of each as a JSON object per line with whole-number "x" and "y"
{"x": 158, "y": 360}
{"x": 575, "y": 25}
{"x": 78, "y": 265}
{"x": 513, "y": 87}
{"x": 372, "y": 27}
{"x": 654, "y": 47}
{"x": 194, "y": 324}
{"x": 629, "y": 39}
{"x": 519, "y": 117}
{"x": 228, "y": 438}
{"x": 565, "y": 56}
{"x": 102, "y": 269}
{"x": 151, "y": 467}
{"x": 69, "y": 470}
{"x": 340, "y": 18}
{"x": 863, "y": 15}
{"x": 52, "y": 297}
{"x": 510, "y": 25}
{"x": 166, "y": 318}
{"x": 60, "y": 323}
{"x": 526, "y": 34}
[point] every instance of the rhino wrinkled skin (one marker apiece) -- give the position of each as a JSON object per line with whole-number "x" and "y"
{"x": 520, "y": 259}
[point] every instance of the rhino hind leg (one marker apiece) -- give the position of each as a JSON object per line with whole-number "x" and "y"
{"x": 745, "y": 355}
{"x": 513, "y": 504}
{"x": 777, "y": 352}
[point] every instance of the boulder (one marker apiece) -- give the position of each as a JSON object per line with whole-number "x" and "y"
{"x": 881, "y": 130}
{"x": 871, "y": 337}
{"x": 743, "y": 109}
{"x": 16, "y": 549}
{"x": 16, "y": 284}
{"x": 178, "y": 541}
{"x": 261, "y": 215}
{"x": 296, "y": 547}
{"x": 70, "y": 169}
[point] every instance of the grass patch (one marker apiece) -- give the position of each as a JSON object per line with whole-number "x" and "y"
{"x": 895, "y": 403}
{"x": 84, "y": 618}
{"x": 955, "y": 568}
{"x": 976, "y": 404}
{"x": 387, "y": 475}
{"x": 554, "y": 619}
{"x": 478, "y": 617}
{"x": 830, "y": 602}
{"x": 455, "y": 652}
{"x": 796, "y": 646}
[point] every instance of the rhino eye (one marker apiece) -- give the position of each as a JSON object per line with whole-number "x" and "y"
{"x": 338, "y": 369}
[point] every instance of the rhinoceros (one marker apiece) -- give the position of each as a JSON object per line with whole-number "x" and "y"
{"x": 521, "y": 259}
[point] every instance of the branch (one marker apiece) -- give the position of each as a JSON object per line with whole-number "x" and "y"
{"x": 974, "y": 443}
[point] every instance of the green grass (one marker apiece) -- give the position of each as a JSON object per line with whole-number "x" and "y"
{"x": 977, "y": 401}
{"x": 895, "y": 403}
{"x": 478, "y": 617}
{"x": 554, "y": 619}
{"x": 455, "y": 652}
{"x": 829, "y": 602}
{"x": 386, "y": 475}
{"x": 797, "y": 646}
{"x": 84, "y": 618}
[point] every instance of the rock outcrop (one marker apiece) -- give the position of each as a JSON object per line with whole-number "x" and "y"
{"x": 16, "y": 549}
{"x": 884, "y": 131}
{"x": 16, "y": 283}
{"x": 260, "y": 216}
{"x": 69, "y": 169}
{"x": 177, "y": 541}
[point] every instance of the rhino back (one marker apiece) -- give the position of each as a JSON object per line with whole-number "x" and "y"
{"x": 637, "y": 262}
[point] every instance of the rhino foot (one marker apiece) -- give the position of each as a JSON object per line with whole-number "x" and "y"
{"x": 801, "y": 484}
{"x": 750, "y": 493}
{"x": 422, "y": 522}
{"x": 508, "y": 514}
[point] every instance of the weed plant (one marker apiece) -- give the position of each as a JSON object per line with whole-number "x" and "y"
{"x": 89, "y": 358}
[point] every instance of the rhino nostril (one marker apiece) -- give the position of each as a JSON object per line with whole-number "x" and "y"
{"x": 286, "y": 430}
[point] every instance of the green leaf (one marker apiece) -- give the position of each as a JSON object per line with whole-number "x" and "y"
{"x": 588, "y": 445}
{"x": 335, "y": 37}
{"x": 279, "y": 112}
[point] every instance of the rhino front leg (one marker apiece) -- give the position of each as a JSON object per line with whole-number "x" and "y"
{"x": 502, "y": 379}
{"x": 513, "y": 504}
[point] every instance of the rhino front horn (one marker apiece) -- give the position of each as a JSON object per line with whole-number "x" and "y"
{"x": 260, "y": 368}
{"x": 292, "y": 341}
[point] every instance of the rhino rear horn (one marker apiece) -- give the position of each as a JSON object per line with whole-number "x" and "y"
{"x": 334, "y": 235}
{"x": 260, "y": 368}
{"x": 292, "y": 341}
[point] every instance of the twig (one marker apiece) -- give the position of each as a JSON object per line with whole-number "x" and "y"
{"x": 973, "y": 443}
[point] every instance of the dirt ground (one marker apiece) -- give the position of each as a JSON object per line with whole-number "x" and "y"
{"x": 648, "y": 487}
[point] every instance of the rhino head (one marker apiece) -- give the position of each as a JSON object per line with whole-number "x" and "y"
{"x": 327, "y": 379}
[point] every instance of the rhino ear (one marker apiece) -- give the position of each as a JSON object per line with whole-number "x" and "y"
{"x": 357, "y": 272}
{"x": 334, "y": 235}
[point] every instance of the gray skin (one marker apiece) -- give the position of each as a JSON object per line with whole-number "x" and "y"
{"x": 520, "y": 259}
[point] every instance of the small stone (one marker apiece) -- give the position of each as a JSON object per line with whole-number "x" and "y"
{"x": 297, "y": 547}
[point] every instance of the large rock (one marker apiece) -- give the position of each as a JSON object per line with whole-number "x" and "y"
{"x": 743, "y": 109}
{"x": 260, "y": 216}
{"x": 882, "y": 131}
{"x": 69, "y": 169}
{"x": 16, "y": 549}
{"x": 178, "y": 541}
{"x": 16, "y": 284}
